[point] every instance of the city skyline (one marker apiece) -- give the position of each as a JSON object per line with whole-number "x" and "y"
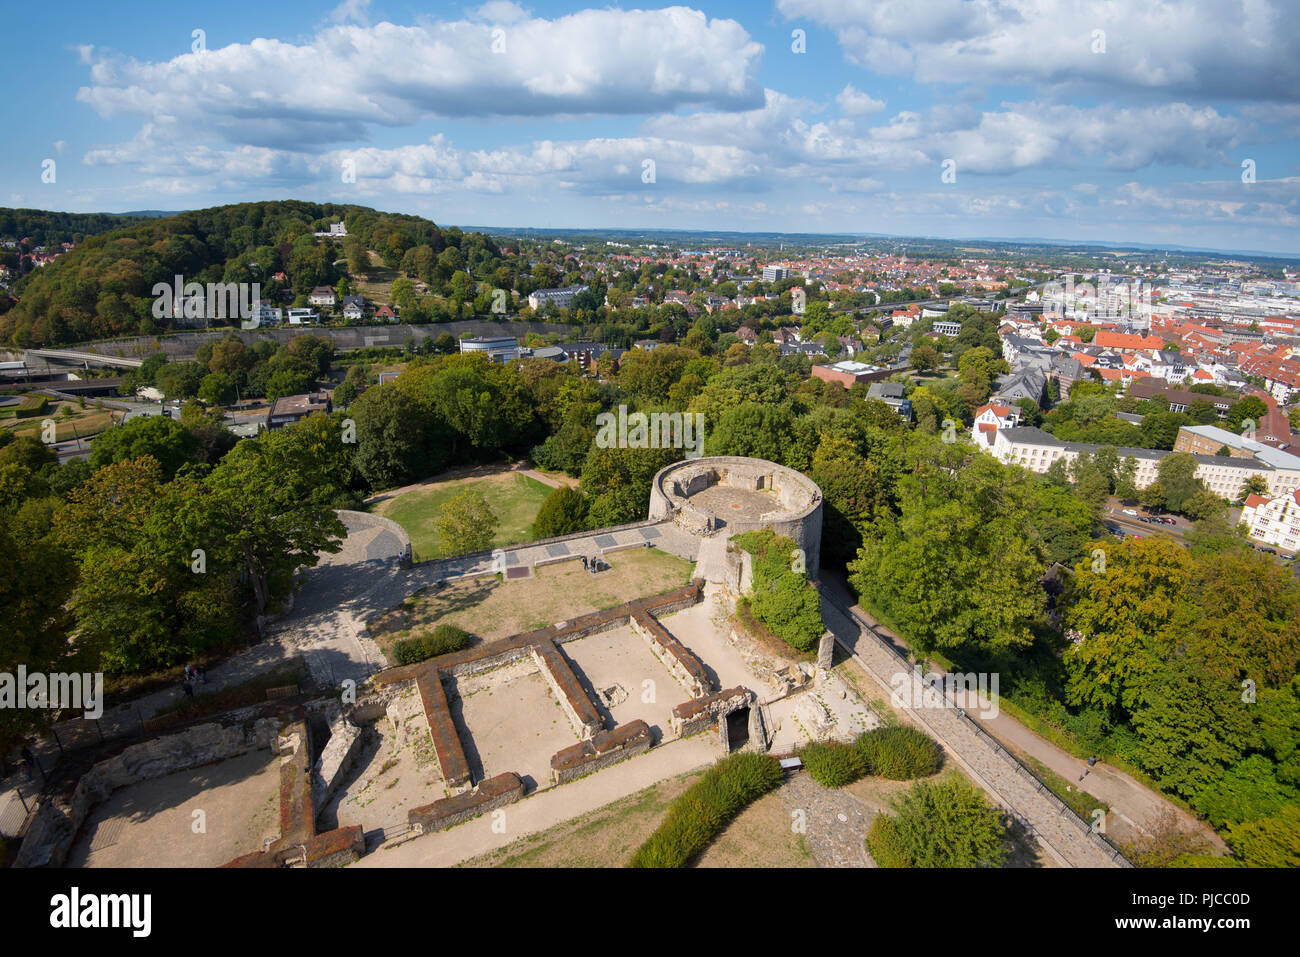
{"x": 1068, "y": 121}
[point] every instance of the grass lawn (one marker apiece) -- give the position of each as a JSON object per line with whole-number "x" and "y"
{"x": 86, "y": 423}
{"x": 489, "y": 608}
{"x": 760, "y": 836}
{"x": 515, "y": 499}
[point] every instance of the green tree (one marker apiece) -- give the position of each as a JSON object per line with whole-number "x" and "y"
{"x": 563, "y": 511}
{"x": 165, "y": 440}
{"x": 465, "y": 524}
{"x": 1178, "y": 480}
{"x": 956, "y": 566}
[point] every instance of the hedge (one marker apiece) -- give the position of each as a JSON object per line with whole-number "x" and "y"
{"x": 696, "y": 817}
{"x": 441, "y": 641}
{"x": 899, "y": 753}
{"x": 833, "y": 763}
{"x": 32, "y": 405}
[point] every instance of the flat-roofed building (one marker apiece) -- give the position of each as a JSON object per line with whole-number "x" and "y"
{"x": 497, "y": 348}
{"x": 848, "y": 373}
{"x": 291, "y": 409}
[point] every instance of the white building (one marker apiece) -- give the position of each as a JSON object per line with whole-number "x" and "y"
{"x": 775, "y": 273}
{"x": 1274, "y": 521}
{"x": 1036, "y": 450}
{"x": 303, "y": 317}
{"x": 498, "y": 349}
{"x": 561, "y": 298}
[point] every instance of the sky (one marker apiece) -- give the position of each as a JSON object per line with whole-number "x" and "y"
{"x": 1077, "y": 120}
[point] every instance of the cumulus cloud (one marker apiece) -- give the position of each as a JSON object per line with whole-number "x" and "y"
{"x": 1187, "y": 48}
{"x": 854, "y": 102}
{"x": 347, "y": 77}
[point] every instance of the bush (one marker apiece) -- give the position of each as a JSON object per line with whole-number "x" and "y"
{"x": 899, "y": 753}
{"x": 884, "y": 845}
{"x": 708, "y": 805}
{"x": 948, "y": 824}
{"x": 443, "y": 640}
{"x": 833, "y": 763}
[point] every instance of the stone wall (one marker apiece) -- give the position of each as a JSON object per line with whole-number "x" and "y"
{"x": 488, "y": 796}
{"x": 575, "y": 704}
{"x": 55, "y": 824}
{"x": 442, "y": 729}
{"x": 602, "y": 750}
{"x": 797, "y": 494}
{"x": 679, "y": 661}
{"x": 710, "y": 711}
{"x": 298, "y": 843}
{"x": 335, "y": 759}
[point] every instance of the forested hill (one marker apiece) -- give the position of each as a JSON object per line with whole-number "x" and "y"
{"x": 103, "y": 287}
{"x": 43, "y": 227}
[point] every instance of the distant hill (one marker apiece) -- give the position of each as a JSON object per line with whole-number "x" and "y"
{"x": 48, "y": 228}
{"x": 104, "y": 287}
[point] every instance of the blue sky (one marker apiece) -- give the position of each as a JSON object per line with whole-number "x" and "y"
{"x": 1063, "y": 119}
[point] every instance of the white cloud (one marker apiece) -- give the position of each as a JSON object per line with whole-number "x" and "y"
{"x": 332, "y": 88}
{"x": 854, "y": 102}
{"x": 1226, "y": 49}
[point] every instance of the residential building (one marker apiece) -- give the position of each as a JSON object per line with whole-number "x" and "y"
{"x": 991, "y": 418}
{"x": 892, "y": 394}
{"x": 947, "y": 328}
{"x": 354, "y": 307}
{"x": 561, "y": 298}
{"x": 1225, "y": 476}
{"x": 322, "y": 296}
{"x": 303, "y": 317}
{"x": 1274, "y": 521}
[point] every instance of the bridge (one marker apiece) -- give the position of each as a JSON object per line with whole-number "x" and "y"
{"x": 84, "y": 359}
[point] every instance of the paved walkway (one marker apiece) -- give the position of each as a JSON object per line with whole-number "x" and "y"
{"x": 1137, "y": 806}
{"x": 836, "y": 822}
{"x": 545, "y": 809}
{"x": 1058, "y": 831}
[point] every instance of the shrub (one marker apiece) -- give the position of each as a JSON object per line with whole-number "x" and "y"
{"x": 443, "y": 640}
{"x": 781, "y": 598}
{"x": 899, "y": 753}
{"x": 708, "y": 805}
{"x": 884, "y": 845}
{"x": 833, "y": 763}
{"x": 948, "y": 824}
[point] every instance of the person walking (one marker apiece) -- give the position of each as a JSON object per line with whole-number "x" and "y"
{"x": 203, "y": 673}
{"x": 189, "y": 688}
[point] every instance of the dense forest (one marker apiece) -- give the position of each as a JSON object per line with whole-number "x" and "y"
{"x": 41, "y": 227}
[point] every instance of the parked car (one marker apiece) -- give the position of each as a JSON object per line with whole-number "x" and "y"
{"x": 1168, "y": 521}
{"x": 1129, "y": 511}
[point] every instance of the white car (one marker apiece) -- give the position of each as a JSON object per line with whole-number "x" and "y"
{"x": 1129, "y": 511}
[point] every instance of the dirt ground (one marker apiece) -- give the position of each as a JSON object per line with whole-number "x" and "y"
{"x": 490, "y": 609}
{"x": 395, "y": 771}
{"x": 760, "y": 836}
{"x": 606, "y": 837}
{"x": 615, "y": 667}
{"x": 152, "y": 824}
{"x": 698, "y": 628}
{"x": 514, "y": 722}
